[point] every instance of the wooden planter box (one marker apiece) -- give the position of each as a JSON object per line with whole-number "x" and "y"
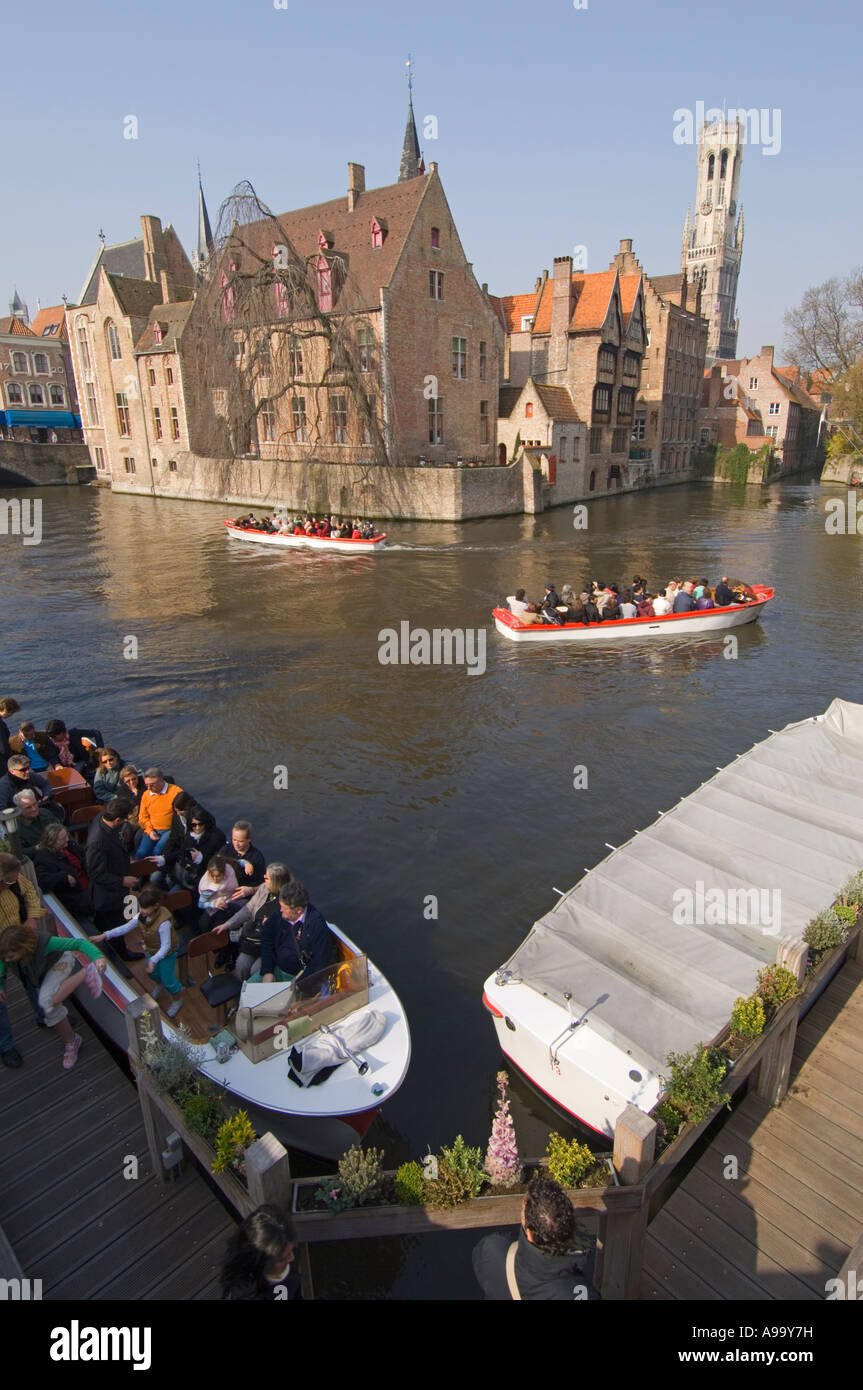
{"x": 228, "y": 1183}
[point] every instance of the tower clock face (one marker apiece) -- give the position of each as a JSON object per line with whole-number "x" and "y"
{"x": 706, "y": 206}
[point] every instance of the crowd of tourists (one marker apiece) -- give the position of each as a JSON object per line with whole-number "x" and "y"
{"x": 269, "y": 929}
{"x": 599, "y": 602}
{"x": 334, "y": 527}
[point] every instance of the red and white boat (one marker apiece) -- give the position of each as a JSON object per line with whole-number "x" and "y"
{"x": 620, "y": 629}
{"x": 319, "y": 1119}
{"x": 285, "y": 541}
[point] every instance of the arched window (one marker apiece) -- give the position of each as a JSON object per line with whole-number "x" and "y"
{"x": 528, "y": 409}
{"x": 19, "y": 363}
{"x": 435, "y": 238}
{"x": 723, "y": 164}
{"x": 57, "y": 395}
{"x": 325, "y": 285}
{"x": 14, "y": 394}
{"x": 40, "y": 364}
{"x": 84, "y": 345}
{"x": 37, "y": 395}
{"x": 592, "y": 481}
{"x": 710, "y": 164}
{"x": 366, "y": 344}
{"x": 114, "y": 350}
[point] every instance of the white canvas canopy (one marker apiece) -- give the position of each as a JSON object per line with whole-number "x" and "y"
{"x": 658, "y": 941}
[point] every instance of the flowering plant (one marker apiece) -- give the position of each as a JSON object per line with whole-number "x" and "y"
{"x": 502, "y": 1162}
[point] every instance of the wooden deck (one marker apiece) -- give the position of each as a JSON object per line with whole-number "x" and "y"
{"x": 787, "y": 1223}
{"x": 73, "y": 1220}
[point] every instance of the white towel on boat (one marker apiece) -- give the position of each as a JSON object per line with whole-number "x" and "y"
{"x": 358, "y": 1032}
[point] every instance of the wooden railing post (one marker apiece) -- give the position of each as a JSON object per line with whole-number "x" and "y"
{"x": 793, "y": 954}
{"x": 620, "y": 1264}
{"x": 774, "y": 1070}
{"x": 268, "y": 1171}
{"x": 143, "y": 1018}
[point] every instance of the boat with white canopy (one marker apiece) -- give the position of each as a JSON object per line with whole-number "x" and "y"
{"x": 649, "y": 951}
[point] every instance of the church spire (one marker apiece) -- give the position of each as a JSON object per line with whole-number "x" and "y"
{"x": 412, "y": 161}
{"x": 204, "y": 248}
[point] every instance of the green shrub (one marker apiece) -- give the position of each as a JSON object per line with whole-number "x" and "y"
{"x": 852, "y": 891}
{"x": 669, "y": 1119}
{"x": 693, "y": 1083}
{"x": 847, "y": 914}
{"x": 747, "y": 1017}
{"x": 568, "y": 1161}
{"x": 233, "y": 1137}
{"x": 460, "y": 1176}
{"x": 203, "y": 1115}
{"x": 776, "y": 986}
{"x": 172, "y": 1063}
{"x": 410, "y": 1184}
{"x": 362, "y": 1175}
{"x": 825, "y": 931}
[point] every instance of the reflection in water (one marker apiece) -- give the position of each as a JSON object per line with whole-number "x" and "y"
{"x": 417, "y": 781}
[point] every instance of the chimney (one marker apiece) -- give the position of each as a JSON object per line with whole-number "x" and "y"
{"x": 561, "y": 311}
{"x": 433, "y": 167}
{"x": 166, "y": 280}
{"x": 485, "y": 287}
{"x": 356, "y": 184}
{"x": 626, "y": 245}
{"x": 768, "y": 353}
{"x": 154, "y": 248}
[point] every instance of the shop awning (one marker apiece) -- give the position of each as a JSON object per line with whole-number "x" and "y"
{"x": 43, "y": 419}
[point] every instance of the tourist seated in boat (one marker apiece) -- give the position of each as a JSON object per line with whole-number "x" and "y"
{"x": 20, "y": 777}
{"x": 244, "y": 928}
{"x": 661, "y": 604}
{"x": 628, "y": 607}
{"x": 69, "y": 750}
{"x": 215, "y": 892}
{"x": 47, "y": 963}
{"x": 131, "y": 790}
{"x": 683, "y": 600}
{"x": 297, "y": 941}
{"x": 643, "y": 606}
{"x": 248, "y": 862}
{"x": 639, "y": 588}
{"x": 156, "y": 811}
{"x": 106, "y": 783}
{"x": 159, "y": 932}
{"x": 672, "y": 589}
{"x": 8, "y": 708}
{"x": 703, "y": 597}
{"x": 612, "y": 611}
{"x": 356, "y": 531}
{"x": 260, "y": 1262}
{"x": 518, "y": 604}
{"x": 322, "y": 528}
{"x": 548, "y": 606}
{"x": 590, "y": 609}
{"x": 723, "y": 595}
{"x": 36, "y": 745}
{"x": 33, "y": 818}
{"x": 193, "y": 841}
{"x": 543, "y": 1264}
{"x": 59, "y": 867}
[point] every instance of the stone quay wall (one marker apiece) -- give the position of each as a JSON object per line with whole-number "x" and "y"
{"x": 43, "y": 465}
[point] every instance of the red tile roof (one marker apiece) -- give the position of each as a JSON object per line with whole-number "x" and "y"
{"x": 594, "y": 296}
{"x": 512, "y": 308}
{"x": 15, "y": 326}
{"x": 50, "y": 318}
{"x": 628, "y": 290}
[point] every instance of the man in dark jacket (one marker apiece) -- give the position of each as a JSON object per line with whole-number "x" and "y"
{"x": 108, "y": 870}
{"x": 19, "y": 778}
{"x": 542, "y": 1266}
{"x": 296, "y": 940}
{"x": 724, "y": 596}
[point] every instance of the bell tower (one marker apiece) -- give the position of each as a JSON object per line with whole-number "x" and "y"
{"x": 713, "y": 233}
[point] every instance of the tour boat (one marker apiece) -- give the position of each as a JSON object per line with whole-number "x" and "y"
{"x": 647, "y": 954}
{"x": 620, "y": 629}
{"x": 320, "y": 1119}
{"x": 289, "y": 542}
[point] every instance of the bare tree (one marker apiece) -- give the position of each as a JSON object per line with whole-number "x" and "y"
{"x": 284, "y": 350}
{"x": 826, "y": 329}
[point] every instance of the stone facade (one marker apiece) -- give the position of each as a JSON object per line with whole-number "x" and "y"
{"x": 755, "y": 403}
{"x": 37, "y": 386}
{"x": 713, "y": 235}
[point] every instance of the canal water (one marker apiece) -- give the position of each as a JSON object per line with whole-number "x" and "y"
{"x": 414, "y": 790}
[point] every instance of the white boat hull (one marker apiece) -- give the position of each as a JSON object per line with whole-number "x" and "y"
{"x": 287, "y": 542}
{"x": 625, "y": 629}
{"x": 321, "y": 1119}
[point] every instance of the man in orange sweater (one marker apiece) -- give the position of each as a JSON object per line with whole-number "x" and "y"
{"x": 156, "y": 811}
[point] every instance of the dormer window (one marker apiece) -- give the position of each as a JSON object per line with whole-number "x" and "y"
{"x": 526, "y": 323}
{"x": 435, "y": 238}
{"x": 326, "y": 241}
{"x": 379, "y": 231}
{"x": 325, "y": 285}
{"x": 158, "y": 332}
{"x": 227, "y": 298}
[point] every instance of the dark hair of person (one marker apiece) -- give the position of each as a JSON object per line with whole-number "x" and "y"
{"x": 254, "y": 1248}
{"x": 55, "y": 726}
{"x": 103, "y": 753}
{"x": 184, "y": 802}
{"x": 117, "y": 808}
{"x": 627, "y": 595}
{"x": 19, "y": 940}
{"x": 549, "y": 1216}
{"x": 218, "y": 862}
{"x": 294, "y": 894}
{"x": 519, "y": 593}
{"x": 149, "y": 897}
{"x": 8, "y": 706}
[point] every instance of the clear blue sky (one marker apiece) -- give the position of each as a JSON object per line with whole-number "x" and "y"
{"x": 555, "y": 126}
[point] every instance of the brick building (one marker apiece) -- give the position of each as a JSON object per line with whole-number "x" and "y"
{"x": 585, "y": 335}
{"x": 665, "y": 429}
{"x": 124, "y": 334}
{"x": 37, "y": 387}
{"x": 750, "y": 401}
